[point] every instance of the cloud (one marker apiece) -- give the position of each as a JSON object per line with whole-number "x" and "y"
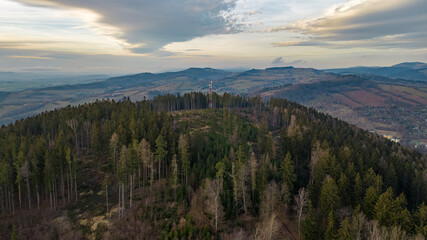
{"x": 147, "y": 25}
{"x": 30, "y": 57}
{"x": 365, "y": 23}
{"x": 278, "y": 60}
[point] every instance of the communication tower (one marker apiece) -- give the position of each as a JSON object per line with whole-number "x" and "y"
{"x": 210, "y": 94}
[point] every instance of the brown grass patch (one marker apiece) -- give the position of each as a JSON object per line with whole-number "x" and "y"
{"x": 399, "y": 99}
{"x": 366, "y": 98}
{"x": 347, "y": 101}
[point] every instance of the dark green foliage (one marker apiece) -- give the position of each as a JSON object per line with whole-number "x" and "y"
{"x": 330, "y": 227}
{"x": 341, "y": 166}
{"x": 14, "y": 235}
{"x": 329, "y": 199}
{"x": 309, "y": 226}
{"x": 344, "y": 233}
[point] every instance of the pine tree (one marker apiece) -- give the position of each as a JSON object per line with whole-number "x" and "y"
{"x": 330, "y": 227}
{"x": 344, "y": 190}
{"x": 174, "y": 177}
{"x": 18, "y": 165}
{"x": 147, "y": 159}
{"x": 420, "y": 219}
{"x": 185, "y": 161}
{"x": 14, "y": 235}
{"x": 309, "y": 226}
{"x": 105, "y": 184}
{"x": 358, "y": 190}
{"x": 369, "y": 201}
{"x": 288, "y": 176}
{"x": 253, "y": 165}
{"x": 96, "y": 143}
{"x": 384, "y": 209}
{"x": 121, "y": 178}
{"x": 114, "y": 145}
{"x": 161, "y": 152}
{"x": 329, "y": 199}
{"x": 344, "y": 231}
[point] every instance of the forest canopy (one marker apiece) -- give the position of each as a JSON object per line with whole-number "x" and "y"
{"x": 171, "y": 168}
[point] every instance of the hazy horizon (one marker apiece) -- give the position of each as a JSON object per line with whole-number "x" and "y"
{"x": 119, "y": 37}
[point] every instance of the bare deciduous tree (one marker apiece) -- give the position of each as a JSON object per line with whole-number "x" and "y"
{"x": 212, "y": 191}
{"x": 253, "y": 165}
{"x": 301, "y": 201}
{"x": 240, "y": 176}
{"x": 74, "y": 125}
{"x": 268, "y": 228}
{"x": 358, "y": 223}
{"x": 270, "y": 200}
{"x": 114, "y": 141}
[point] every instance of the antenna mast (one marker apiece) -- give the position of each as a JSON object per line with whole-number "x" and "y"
{"x": 210, "y": 94}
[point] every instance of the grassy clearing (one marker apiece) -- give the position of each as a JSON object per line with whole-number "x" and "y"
{"x": 408, "y": 90}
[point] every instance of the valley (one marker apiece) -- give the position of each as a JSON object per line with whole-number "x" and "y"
{"x": 395, "y": 108}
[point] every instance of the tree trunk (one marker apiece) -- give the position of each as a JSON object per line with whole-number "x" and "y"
{"x": 120, "y": 197}
{"x": 51, "y": 201}
{"x": 67, "y": 178}
{"x": 244, "y": 197}
{"x": 144, "y": 176}
{"x": 6, "y": 197}
{"x": 54, "y": 195}
{"x": 19, "y": 195}
{"x": 123, "y": 198}
{"x": 130, "y": 188}
{"x": 2, "y": 202}
{"x": 75, "y": 186}
{"x": 77, "y": 145}
{"x": 29, "y": 192}
{"x": 13, "y": 204}
{"x": 106, "y": 194}
{"x": 115, "y": 161}
{"x": 38, "y": 200}
{"x": 160, "y": 161}
{"x": 216, "y": 213}
{"x": 139, "y": 176}
{"x": 62, "y": 186}
{"x": 71, "y": 181}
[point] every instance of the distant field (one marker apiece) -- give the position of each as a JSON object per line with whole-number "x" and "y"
{"x": 366, "y": 98}
{"x": 351, "y": 103}
{"x": 407, "y": 90}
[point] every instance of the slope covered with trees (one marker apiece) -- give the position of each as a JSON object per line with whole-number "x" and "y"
{"x": 169, "y": 168}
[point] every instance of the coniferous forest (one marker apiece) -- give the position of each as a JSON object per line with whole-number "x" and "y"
{"x": 171, "y": 168}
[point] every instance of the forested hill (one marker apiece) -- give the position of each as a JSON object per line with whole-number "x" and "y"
{"x": 169, "y": 168}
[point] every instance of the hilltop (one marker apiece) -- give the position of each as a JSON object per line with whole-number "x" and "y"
{"x": 156, "y": 169}
{"x": 387, "y": 105}
{"x": 414, "y": 71}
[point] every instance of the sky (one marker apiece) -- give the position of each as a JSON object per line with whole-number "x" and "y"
{"x": 131, "y": 36}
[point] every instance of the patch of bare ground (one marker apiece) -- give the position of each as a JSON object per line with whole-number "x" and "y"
{"x": 347, "y": 101}
{"x": 366, "y": 98}
{"x": 399, "y": 99}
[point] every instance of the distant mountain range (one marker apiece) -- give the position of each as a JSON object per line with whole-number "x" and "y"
{"x": 364, "y": 96}
{"x": 416, "y": 71}
{"x": 17, "y": 81}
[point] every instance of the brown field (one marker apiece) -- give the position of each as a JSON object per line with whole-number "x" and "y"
{"x": 420, "y": 92}
{"x": 366, "y": 98}
{"x": 411, "y": 97}
{"x": 349, "y": 102}
{"x": 396, "y": 98}
{"x": 374, "y": 90}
